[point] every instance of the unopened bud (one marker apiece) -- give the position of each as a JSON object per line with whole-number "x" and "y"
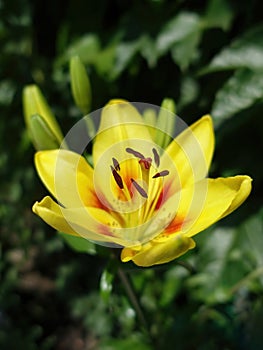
{"x": 34, "y": 103}
{"x": 150, "y": 117}
{"x": 165, "y": 122}
{"x": 80, "y": 85}
{"x": 42, "y": 136}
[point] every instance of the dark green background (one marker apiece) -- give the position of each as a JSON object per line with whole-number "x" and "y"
{"x": 208, "y": 57}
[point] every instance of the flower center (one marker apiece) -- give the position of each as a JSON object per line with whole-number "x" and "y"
{"x": 145, "y": 164}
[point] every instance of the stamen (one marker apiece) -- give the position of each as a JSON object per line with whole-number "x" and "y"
{"x": 161, "y": 173}
{"x": 139, "y": 188}
{"x": 135, "y": 153}
{"x": 116, "y": 164}
{"x": 156, "y": 157}
{"x": 146, "y": 162}
{"x": 117, "y": 178}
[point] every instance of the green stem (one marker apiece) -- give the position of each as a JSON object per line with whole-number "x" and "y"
{"x": 134, "y": 301}
{"x": 187, "y": 266}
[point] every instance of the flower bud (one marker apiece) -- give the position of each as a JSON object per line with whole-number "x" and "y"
{"x": 80, "y": 85}
{"x": 165, "y": 123}
{"x": 42, "y": 136}
{"x": 34, "y": 103}
{"x": 150, "y": 117}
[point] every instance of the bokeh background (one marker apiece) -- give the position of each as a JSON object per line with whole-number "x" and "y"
{"x": 208, "y": 57}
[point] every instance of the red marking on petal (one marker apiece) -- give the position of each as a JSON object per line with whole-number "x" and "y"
{"x": 174, "y": 226}
{"x": 139, "y": 189}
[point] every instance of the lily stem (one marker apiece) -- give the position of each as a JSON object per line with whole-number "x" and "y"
{"x": 133, "y": 298}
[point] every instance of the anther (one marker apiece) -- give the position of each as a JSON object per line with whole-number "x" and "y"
{"x": 156, "y": 157}
{"x": 135, "y": 153}
{"x": 139, "y": 189}
{"x": 161, "y": 173}
{"x": 146, "y": 162}
{"x": 117, "y": 178}
{"x": 116, "y": 164}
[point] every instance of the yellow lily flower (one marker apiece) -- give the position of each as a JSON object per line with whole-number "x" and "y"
{"x": 147, "y": 200}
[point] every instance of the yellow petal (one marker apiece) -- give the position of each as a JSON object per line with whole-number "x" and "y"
{"x": 207, "y": 202}
{"x": 191, "y": 152}
{"x": 242, "y": 185}
{"x": 159, "y": 253}
{"x": 199, "y": 206}
{"x": 67, "y": 176}
{"x": 91, "y": 223}
{"x": 120, "y": 121}
{"x": 50, "y": 212}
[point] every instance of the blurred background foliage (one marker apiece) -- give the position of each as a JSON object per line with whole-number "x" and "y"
{"x": 208, "y": 57}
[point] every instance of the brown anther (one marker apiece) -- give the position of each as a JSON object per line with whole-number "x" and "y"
{"x": 161, "y": 174}
{"x": 146, "y": 162}
{"x": 117, "y": 178}
{"x": 139, "y": 189}
{"x": 116, "y": 164}
{"x": 135, "y": 153}
{"x": 156, "y": 157}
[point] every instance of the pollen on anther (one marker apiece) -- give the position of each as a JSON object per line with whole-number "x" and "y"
{"x": 161, "y": 174}
{"x": 117, "y": 178}
{"x": 156, "y": 157}
{"x": 139, "y": 189}
{"x": 116, "y": 164}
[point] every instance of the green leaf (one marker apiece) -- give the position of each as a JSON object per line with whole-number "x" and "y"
{"x": 252, "y": 230}
{"x": 241, "y": 91}
{"x": 246, "y": 51}
{"x": 179, "y": 29}
{"x": 185, "y": 51}
{"x": 148, "y": 50}
{"x": 134, "y": 341}
{"x": 79, "y": 244}
{"x": 87, "y": 48}
{"x": 124, "y": 55}
{"x": 218, "y": 14}
{"x": 106, "y": 281}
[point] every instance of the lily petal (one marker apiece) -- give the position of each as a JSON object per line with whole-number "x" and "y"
{"x": 91, "y": 223}
{"x": 68, "y": 177}
{"x": 242, "y": 185}
{"x": 120, "y": 121}
{"x": 191, "y": 152}
{"x": 199, "y": 207}
{"x": 205, "y": 203}
{"x": 159, "y": 253}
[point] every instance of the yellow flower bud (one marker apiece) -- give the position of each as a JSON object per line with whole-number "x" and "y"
{"x": 165, "y": 122}
{"x": 35, "y": 103}
{"x": 80, "y": 85}
{"x": 42, "y": 136}
{"x": 150, "y": 117}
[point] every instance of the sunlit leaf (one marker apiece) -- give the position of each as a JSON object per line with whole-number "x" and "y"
{"x": 125, "y": 52}
{"x": 185, "y": 51}
{"x": 241, "y": 91}
{"x": 178, "y": 29}
{"x": 246, "y": 51}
